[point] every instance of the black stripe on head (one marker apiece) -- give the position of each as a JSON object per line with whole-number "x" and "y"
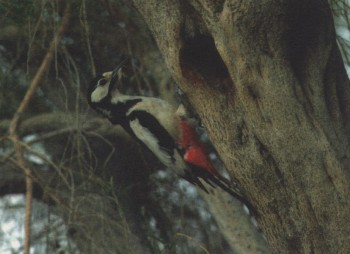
{"x": 149, "y": 122}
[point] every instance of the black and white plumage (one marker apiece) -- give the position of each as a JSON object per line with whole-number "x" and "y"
{"x": 154, "y": 123}
{"x": 150, "y": 120}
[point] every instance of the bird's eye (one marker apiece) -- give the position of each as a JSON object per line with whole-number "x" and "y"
{"x": 102, "y": 82}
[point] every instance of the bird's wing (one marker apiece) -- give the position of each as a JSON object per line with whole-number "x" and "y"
{"x": 155, "y": 137}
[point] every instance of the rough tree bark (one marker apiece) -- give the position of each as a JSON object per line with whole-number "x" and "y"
{"x": 268, "y": 82}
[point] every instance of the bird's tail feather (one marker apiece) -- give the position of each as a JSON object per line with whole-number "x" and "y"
{"x": 215, "y": 181}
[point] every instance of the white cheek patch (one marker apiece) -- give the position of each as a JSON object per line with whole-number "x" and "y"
{"x": 99, "y": 93}
{"x": 107, "y": 75}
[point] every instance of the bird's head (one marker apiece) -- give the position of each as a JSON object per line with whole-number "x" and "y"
{"x": 102, "y": 85}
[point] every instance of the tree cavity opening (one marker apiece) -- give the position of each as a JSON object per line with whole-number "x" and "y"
{"x": 200, "y": 58}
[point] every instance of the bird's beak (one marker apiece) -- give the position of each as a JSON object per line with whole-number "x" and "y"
{"x": 115, "y": 72}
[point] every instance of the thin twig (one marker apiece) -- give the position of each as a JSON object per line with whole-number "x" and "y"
{"x": 194, "y": 241}
{"x": 13, "y": 135}
{"x": 85, "y": 24}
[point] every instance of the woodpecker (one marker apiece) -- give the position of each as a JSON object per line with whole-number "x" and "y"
{"x": 159, "y": 126}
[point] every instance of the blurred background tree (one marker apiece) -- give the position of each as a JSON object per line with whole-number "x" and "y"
{"x": 95, "y": 189}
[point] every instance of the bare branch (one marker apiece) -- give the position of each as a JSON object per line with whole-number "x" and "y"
{"x": 14, "y": 124}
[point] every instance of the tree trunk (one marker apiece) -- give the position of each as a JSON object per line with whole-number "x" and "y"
{"x": 268, "y": 83}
